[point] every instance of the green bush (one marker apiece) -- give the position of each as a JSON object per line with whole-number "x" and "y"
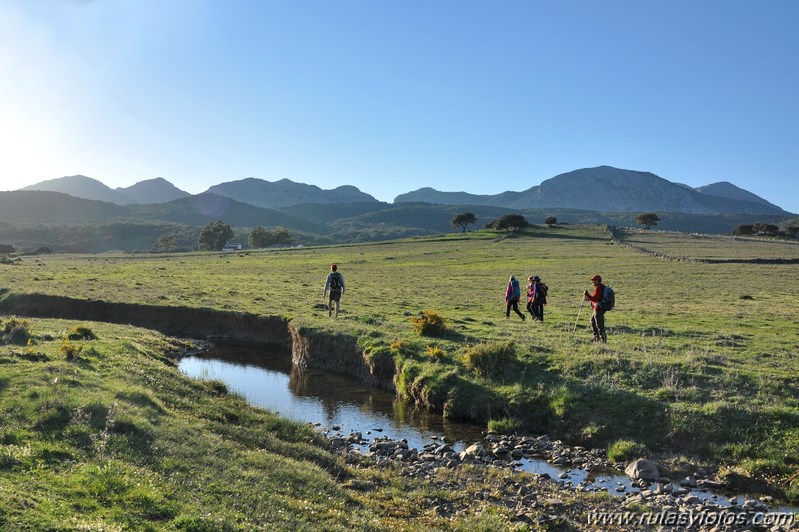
{"x": 15, "y": 331}
{"x": 429, "y": 323}
{"x": 434, "y": 352}
{"x": 489, "y": 358}
{"x": 504, "y": 425}
{"x": 624, "y": 450}
{"x": 81, "y": 333}
{"x": 70, "y": 350}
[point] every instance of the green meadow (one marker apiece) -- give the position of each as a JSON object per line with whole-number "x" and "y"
{"x": 700, "y": 365}
{"x": 106, "y": 434}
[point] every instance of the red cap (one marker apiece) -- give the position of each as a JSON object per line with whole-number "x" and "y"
{"x": 333, "y": 267}
{"x": 597, "y": 278}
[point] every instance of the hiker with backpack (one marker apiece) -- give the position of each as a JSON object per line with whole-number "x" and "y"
{"x": 602, "y": 300}
{"x": 536, "y": 297}
{"x": 335, "y": 285}
{"x": 512, "y": 295}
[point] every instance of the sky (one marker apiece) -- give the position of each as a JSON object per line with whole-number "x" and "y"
{"x": 458, "y": 95}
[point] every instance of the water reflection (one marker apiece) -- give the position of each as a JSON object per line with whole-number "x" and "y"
{"x": 343, "y": 404}
{"x": 269, "y": 380}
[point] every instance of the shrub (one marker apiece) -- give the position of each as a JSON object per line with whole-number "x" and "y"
{"x": 624, "y": 450}
{"x": 15, "y": 331}
{"x": 398, "y": 345}
{"x": 433, "y": 351}
{"x": 488, "y": 359}
{"x": 70, "y": 350}
{"x": 429, "y": 323}
{"x": 504, "y": 425}
{"x": 81, "y": 333}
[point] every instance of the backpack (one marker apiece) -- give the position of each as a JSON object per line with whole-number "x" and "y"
{"x": 335, "y": 281}
{"x": 517, "y": 291}
{"x": 541, "y": 293}
{"x": 608, "y": 299}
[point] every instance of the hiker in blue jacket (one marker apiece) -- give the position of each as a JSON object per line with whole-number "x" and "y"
{"x": 512, "y": 294}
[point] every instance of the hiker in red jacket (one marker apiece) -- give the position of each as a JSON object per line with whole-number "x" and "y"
{"x": 598, "y": 317}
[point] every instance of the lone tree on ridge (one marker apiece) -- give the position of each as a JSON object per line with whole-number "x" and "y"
{"x": 550, "y": 221}
{"x": 464, "y": 219}
{"x": 510, "y": 223}
{"x": 648, "y": 219}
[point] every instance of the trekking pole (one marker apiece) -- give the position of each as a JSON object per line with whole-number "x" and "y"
{"x": 577, "y": 319}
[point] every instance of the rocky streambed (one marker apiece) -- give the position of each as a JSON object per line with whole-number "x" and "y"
{"x": 531, "y": 480}
{"x": 496, "y": 476}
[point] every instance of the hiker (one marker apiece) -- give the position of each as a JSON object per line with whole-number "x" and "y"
{"x": 598, "y": 317}
{"x": 512, "y": 295}
{"x": 536, "y": 297}
{"x": 335, "y": 284}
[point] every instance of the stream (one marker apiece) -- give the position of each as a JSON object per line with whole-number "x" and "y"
{"x": 339, "y": 404}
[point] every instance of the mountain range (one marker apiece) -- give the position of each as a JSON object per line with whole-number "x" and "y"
{"x": 157, "y": 190}
{"x": 78, "y": 213}
{"x": 608, "y": 189}
{"x": 601, "y": 189}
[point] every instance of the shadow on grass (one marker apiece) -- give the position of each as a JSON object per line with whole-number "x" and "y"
{"x": 646, "y": 331}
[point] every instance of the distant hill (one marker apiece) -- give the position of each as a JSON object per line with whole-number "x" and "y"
{"x": 284, "y": 193}
{"x": 325, "y": 213}
{"x": 157, "y": 190}
{"x": 723, "y": 189}
{"x": 608, "y": 189}
{"x": 203, "y": 208}
{"x": 79, "y": 186}
{"x": 56, "y": 207}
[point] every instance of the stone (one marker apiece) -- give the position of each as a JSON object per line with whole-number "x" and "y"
{"x": 475, "y": 450}
{"x": 642, "y": 469}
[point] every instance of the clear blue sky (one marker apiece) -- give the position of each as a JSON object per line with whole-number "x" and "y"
{"x": 393, "y": 96}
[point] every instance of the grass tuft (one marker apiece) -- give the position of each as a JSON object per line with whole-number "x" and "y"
{"x": 625, "y": 450}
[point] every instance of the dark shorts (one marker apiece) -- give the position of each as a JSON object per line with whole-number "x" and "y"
{"x": 335, "y": 295}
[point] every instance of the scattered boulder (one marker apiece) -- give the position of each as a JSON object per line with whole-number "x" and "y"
{"x": 642, "y": 469}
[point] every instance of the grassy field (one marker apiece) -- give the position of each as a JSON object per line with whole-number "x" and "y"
{"x": 700, "y": 360}
{"x": 710, "y": 247}
{"x": 106, "y": 434}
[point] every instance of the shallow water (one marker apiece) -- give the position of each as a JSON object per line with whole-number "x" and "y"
{"x": 342, "y": 404}
{"x": 333, "y": 402}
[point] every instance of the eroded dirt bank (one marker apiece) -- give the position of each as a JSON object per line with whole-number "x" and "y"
{"x": 310, "y": 349}
{"x": 221, "y": 326}
{"x": 340, "y": 354}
